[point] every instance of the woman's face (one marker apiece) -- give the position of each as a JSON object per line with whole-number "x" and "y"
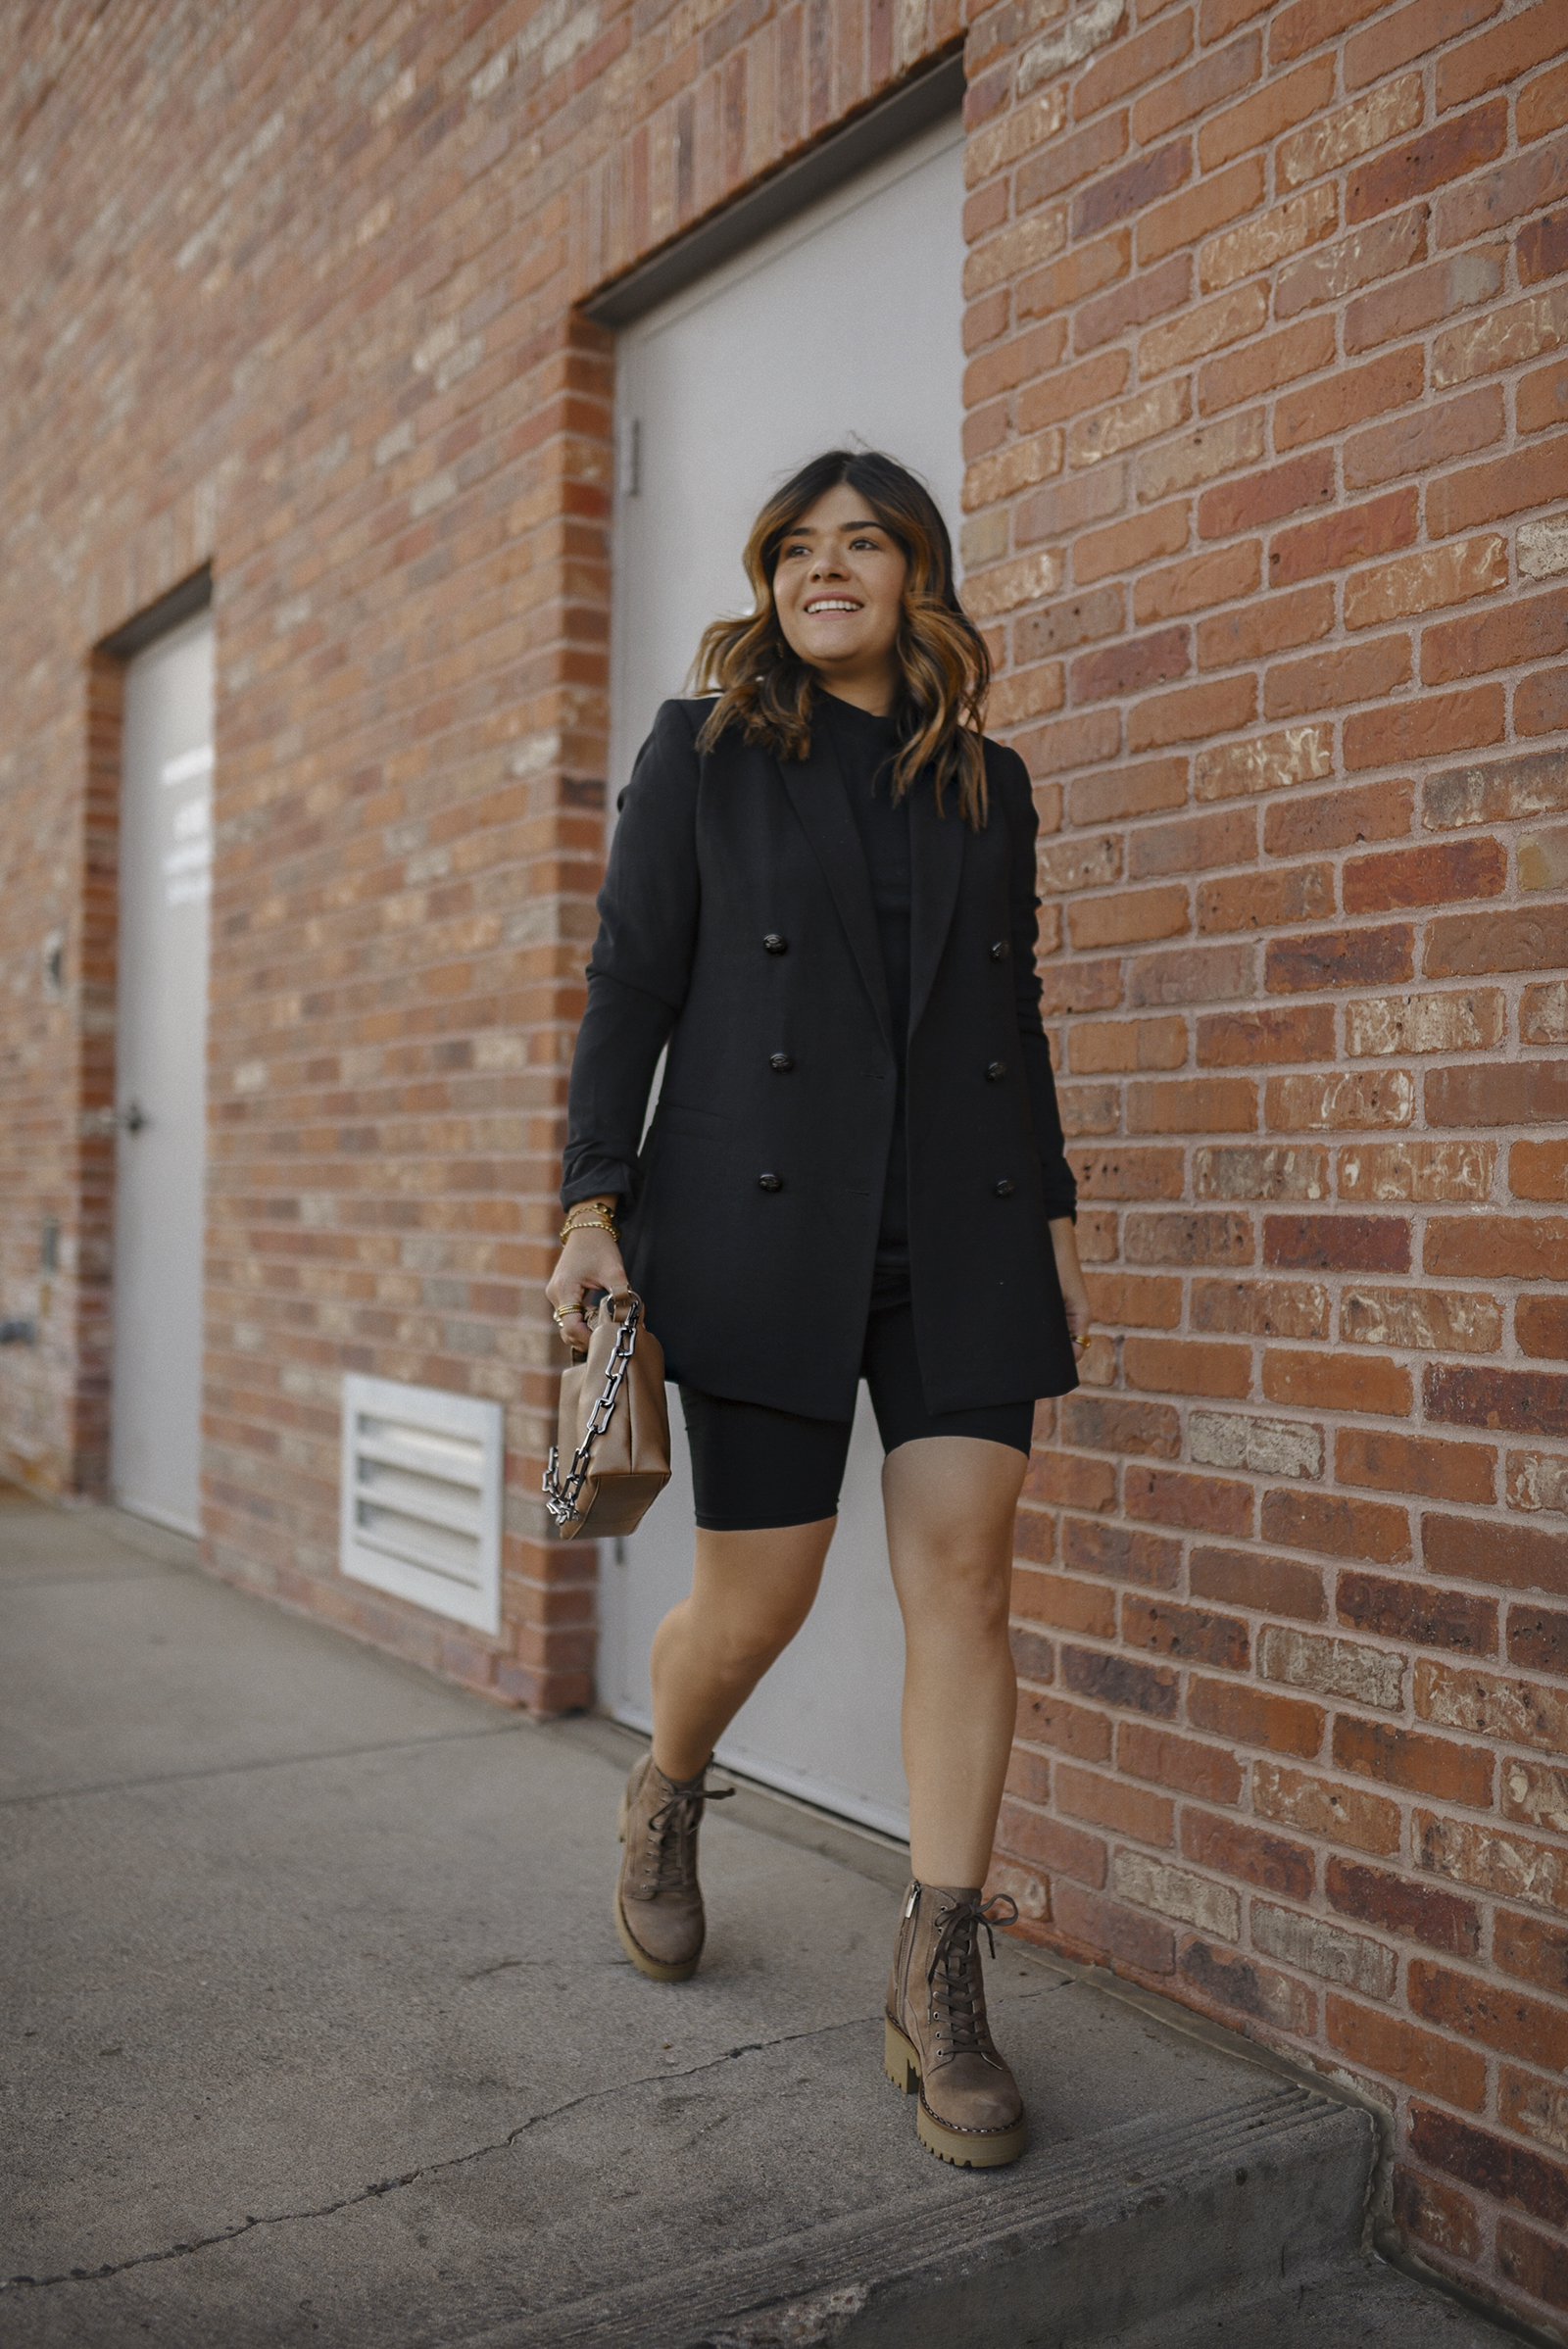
{"x": 838, "y": 590}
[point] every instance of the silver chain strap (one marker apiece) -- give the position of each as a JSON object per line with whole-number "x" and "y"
{"x": 561, "y": 1499}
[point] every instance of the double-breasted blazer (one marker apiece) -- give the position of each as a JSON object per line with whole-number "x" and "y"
{"x": 736, "y": 928}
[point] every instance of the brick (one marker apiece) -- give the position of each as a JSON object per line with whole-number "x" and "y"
{"x": 1116, "y": 1680}
{"x": 1509, "y": 1247}
{"x": 1437, "y": 1320}
{"x": 1054, "y": 399}
{"x": 1207, "y": 1504}
{"x": 1193, "y": 1105}
{"x": 1463, "y": 945}
{"x": 1128, "y": 790}
{"x": 1068, "y": 1728}
{"x": 1525, "y": 1557}
{"x": 1127, "y": 1173}
{"x": 1178, "y": 1762}
{"x": 1160, "y": 410}
{"x": 1220, "y": 448}
{"x": 1536, "y": 1793}
{"x": 1286, "y": 100}
{"x": 1367, "y": 257}
{"x": 1534, "y": 476}
{"x": 1079, "y": 862}
{"x": 1423, "y": 297}
{"x": 1243, "y": 1039}
{"x": 1445, "y": 151}
{"x": 1249, "y": 1579}
{"x": 1436, "y": 2213}
{"x": 1298, "y": 893}
{"x": 1537, "y": 1636}
{"x": 1529, "y": 628}
{"x": 1227, "y": 837}
{"x": 1200, "y": 583}
{"x": 1535, "y": 1402}
{"x": 1542, "y": 104}
{"x": 1033, "y": 1535}
{"x": 1426, "y": 582}
{"x": 1338, "y": 1243}
{"x": 1418, "y": 1170}
{"x": 1266, "y": 497}
{"x": 1130, "y": 665}
{"x": 1264, "y": 243}
{"x": 1336, "y": 139}
{"x": 1411, "y": 32}
{"x": 1060, "y": 1480}
{"x": 1533, "y": 1951}
{"x": 1317, "y": 1948}
{"x": 1106, "y": 1802}
{"x": 1366, "y": 957}
{"x": 1533, "y": 2107}
{"x": 1262, "y": 628}
{"x": 1258, "y": 1171}
{"x": 1242, "y": 1987}
{"x": 1536, "y": 1479}
{"x": 1534, "y": 2265}
{"x": 1473, "y": 1020}
{"x": 1434, "y": 727}
{"x": 1370, "y": 1676}
{"x": 1176, "y": 1892}
{"x": 1128, "y": 64}
{"x": 1066, "y": 1606}
{"x": 1338, "y": 819}
{"x": 1173, "y": 1366}
{"x": 1022, "y": 245}
{"x": 1138, "y": 183}
{"x": 1362, "y": 673}
{"x": 1261, "y": 1308}
{"x": 1491, "y": 1858}
{"x": 1061, "y": 163}
{"x": 1071, "y": 742}
{"x": 1302, "y": 26}
{"x": 1080, "y": 986}
{"x": 1028, "y": 1776}
{"x": 1405, "y": 2054}
{"x": 1188, "y": 1239}
{"x": 1509, "y": 2173}
{"x": 1150, "y": 1559}
{"x": 1348, "y": 397}
{"x": 1114, "y": 1423}
{"x": 1321, "y": 1806}
{"x": 1096, "y": 1046}
{"x": 1264, "y": 1446}
{"x": 1265, "y": 763}
{"x": 1219, "y": 74}
{"x": 1453, "y": 1620}
{"x": 1162, "y": 1628}
{"x": 1226, "y": 196}
{"x": 1128, "y": 917}
{"x": 1404, "y": 1757}
{"x": 1501, "y": 338}
{"x": 1071, "y": 278}
{"x": 1344, "y": 538}
{"x": 1190, "y": 714}
{"x": 1231, "y": 1849}
{"x": 1346, "y": 1099}
{"x": 1255, "y": 1717}
{"x": 1100, "y": 1925}
{"x": 1544, "y": 859}
{"x": 1539, "y": 1170}
{"x": 1529, "y": 182}
{"x": 1413, "y": 1911}
{"x": 1542, "y": 251}
{"x": 1499, "y": 1092}
{"x": 1028, "y": 1834}
{"x": 1213, "y": 327}
{"x": 1338, "y": 1524}
{"x": 1392, "y": 1461}
{"x": 1124, "y": 545}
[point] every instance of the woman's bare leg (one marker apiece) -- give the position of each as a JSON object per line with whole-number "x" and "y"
{"x": 751, "y": 1594}
{"x": 950, "y": 1503}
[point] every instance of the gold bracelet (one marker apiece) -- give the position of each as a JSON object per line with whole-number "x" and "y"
{"x": 601, "y": 1220}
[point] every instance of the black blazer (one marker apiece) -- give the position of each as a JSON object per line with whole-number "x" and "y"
{"x": 736, "y": 925}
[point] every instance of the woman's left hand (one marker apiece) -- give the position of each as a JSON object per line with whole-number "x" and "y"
{"x": 1069, "y": 1272}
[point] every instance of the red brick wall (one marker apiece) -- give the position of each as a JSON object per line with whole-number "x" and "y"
{"x": 1265, "y": 420}
{"x": 1266, "y": 414}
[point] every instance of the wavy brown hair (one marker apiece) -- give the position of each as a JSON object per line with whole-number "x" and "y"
{"x": 768, "y": 690}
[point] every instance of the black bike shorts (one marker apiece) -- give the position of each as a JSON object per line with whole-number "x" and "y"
{"x": 754, "y": 1467}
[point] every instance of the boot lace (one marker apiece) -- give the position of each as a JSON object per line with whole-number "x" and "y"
{"x": 957, "y": 1994}
{"x": 669, "y": 1853}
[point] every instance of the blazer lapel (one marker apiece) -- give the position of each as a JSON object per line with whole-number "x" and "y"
{"x": 820, "y": 799}
{"x": 936, "y": 859}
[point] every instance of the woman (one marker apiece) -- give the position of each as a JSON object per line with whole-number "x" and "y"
{"x": 821, "y": 898}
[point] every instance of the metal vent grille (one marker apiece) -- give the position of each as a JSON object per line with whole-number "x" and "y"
{"x": 421, "y": 1497}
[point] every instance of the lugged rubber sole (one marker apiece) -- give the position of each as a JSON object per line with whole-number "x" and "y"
{"x": 965, "y": 2149}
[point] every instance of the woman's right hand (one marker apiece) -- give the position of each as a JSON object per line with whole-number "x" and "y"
{"x": 589, "y": 1260}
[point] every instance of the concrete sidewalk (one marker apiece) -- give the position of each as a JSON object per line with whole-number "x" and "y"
{"x": 316, "y": 2027}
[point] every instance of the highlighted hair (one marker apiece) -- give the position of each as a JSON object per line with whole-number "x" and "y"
{"x": 768, "y": 690}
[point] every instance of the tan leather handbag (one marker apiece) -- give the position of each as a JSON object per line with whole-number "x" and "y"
{"x": 614, "y": 1427}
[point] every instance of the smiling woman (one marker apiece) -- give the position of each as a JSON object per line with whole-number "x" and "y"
{"x": 821, "y": 899}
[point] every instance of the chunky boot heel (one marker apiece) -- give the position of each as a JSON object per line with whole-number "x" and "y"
{"x": 937, "y": 2042}
{"x": 659, "y": 1902}
{"x": 900, "y": 2061}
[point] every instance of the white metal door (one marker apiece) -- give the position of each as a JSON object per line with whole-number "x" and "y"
{"x": 843, "y": 327}
{"x": 165, "y": 881}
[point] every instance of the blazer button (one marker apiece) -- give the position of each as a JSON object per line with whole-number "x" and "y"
{"x": 771, "y": 1182}
{"x": 780, "y": 1063}
{"x": 996, "y": 1071}
{"x": 998, "y": 952}
{"x": 775, "y": 945}
{"x": 1004, "y": 1189}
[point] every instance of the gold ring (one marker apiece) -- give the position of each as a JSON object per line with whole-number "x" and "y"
{"x": 1082, "y": 1345}
{"x": 565, "y": 1314}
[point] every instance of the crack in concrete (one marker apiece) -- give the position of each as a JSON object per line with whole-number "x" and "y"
{"x": 283, "y": 1761}
{"x": 383, "y": 2186}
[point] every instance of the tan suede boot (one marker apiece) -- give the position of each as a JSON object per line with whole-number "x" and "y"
{"x": 937, "y": 2041}
{"x": 659, "y": 1902}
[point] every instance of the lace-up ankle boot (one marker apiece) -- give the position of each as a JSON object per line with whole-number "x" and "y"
{"x": 938, "y": 2043}
{"x": 659, "y": 1902}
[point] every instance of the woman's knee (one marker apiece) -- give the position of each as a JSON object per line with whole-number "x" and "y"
{"x": 964, "y": 1597}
